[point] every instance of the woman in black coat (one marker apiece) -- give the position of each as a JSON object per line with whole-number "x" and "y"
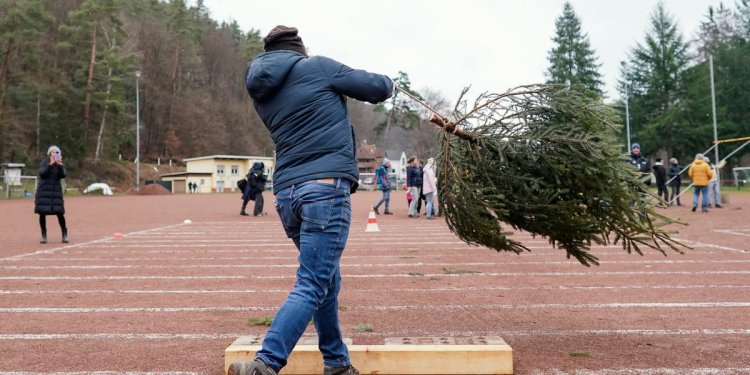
{"x": 49, "y": 194}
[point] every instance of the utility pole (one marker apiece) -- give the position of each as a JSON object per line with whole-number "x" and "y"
{"x": 137, "y": 133}
{"x": 627, "y": 114}
{"x": 716, "y": 132}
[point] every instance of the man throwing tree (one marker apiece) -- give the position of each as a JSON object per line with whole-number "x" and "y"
{"x": 302, "y": 102}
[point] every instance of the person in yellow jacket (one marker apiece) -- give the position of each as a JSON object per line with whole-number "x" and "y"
{"x": 701, "y": 174}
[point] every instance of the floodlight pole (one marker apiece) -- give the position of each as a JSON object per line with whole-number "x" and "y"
{"x": 627, "y": 115}
{"x": 716, "y": 132}
{"x": 137, "y": 133}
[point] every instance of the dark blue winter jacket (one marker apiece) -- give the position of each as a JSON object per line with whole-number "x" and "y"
{"x": 302, "y": 102}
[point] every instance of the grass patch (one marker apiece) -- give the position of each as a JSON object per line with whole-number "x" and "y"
{"x": 418, "y": 274}
{"x": 263, "y": 321}
{"x": 407, "y": 257}
{"x": 434, "y": 278}
{"x": 580, "y": 354}
{"x": 453, "y": 271}
{"x": 343, "y": 308}
{"x": 362, "y": 328}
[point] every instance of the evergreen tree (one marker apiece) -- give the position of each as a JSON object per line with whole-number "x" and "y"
{"x": 572, "y": 60}
{"x": 402, "y": 112}
{"x": 22, "y": 26}
{"x": 652, "y": 76}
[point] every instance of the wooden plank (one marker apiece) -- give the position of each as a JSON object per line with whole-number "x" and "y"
{"x": 400, "y": 355}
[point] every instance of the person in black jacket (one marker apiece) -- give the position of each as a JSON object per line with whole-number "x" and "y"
{"x": 674, "y": 181}
{"x": 661, "y": 180}
{"x": 256, "y": 181}
{"x": 247, "y": 193}
{"x": 640, "y": 162}
{"x": 49, "y": 194}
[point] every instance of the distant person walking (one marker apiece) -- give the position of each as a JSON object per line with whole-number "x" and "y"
{"x": 701, "y": 174}
{"x": 381, "y": 176}
{"x": 49, "y": 194}
{"x": 713, "y": 186}
{"x": 248, "y": 194}
{"x": 675, "y": 181}
{"x": 429, "y": 187}
{"x": 661, "y": 180}
{"x": 257, "y": 181}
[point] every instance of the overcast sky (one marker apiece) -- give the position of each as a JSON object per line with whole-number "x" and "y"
{"x": 446, "y": 45}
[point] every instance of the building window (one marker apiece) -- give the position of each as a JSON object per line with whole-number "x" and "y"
{"x": 235, "y": 170}
{"x": 220, "y": 170}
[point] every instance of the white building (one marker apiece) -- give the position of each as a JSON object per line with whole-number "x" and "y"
{"x": 216, "y": 173}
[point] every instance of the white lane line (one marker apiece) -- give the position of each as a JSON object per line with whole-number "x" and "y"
{"x": 103, "y": 373}
{"x": 290, "y": 244}
{"x": 361, "y": 265}
{"x": 647, "y": 305}
{"x": 82, "y": 245}
{"x": 224, "y": 336}
{"x": 381, "y": 276}
{"x": 713, "y": 246}
{"x": 737, "y": 232}
{"x": 351, "y": 290}
{"x": 648, "y": 371}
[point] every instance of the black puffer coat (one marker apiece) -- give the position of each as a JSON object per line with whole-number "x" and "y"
{"x": 49, "y": 194}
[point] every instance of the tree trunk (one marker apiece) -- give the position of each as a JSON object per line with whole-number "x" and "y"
{"x": 90, "y": 80}
{"x": 3, "y": 82}
{"x": 38, "y": 119}
{"x": 104, "y": 117}
{"x": 389, "y": 120}
{"x": 162, "y": 145}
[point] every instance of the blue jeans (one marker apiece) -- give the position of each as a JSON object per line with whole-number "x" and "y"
{"x": 430, "y": 204}
{"x": 385, "y": 198}
{"x": 414, "y": 199}
{"x": 697, "y": 191}
{"x": 316, "y": 216}
{"x": 713, "y": 192}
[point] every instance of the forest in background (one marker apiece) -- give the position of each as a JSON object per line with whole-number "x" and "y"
{"x": 67, "y": 77}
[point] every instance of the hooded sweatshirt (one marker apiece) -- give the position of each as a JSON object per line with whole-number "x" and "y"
{"x": 302, "y": 102}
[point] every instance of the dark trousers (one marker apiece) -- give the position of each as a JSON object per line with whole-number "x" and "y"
{"x": 661, "y": 192}
{"x": 675, "y": 195}
{"x": 258, "y": 203}
{"x": 43, "y": 222}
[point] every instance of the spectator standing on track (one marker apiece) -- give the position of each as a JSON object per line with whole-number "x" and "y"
{"x": 302, "y": 102}
{"x": 713, "y": 186}
{"x": 381, "y": 176}
{"x": 429, "y": 187}
{"x": 640, "y": 163}
{"x": 701, "y": 174}
{"x": 675, "y": 181}
{"x": 420, "y": 163}
{"x": 49, "y": 194}
{"x": 661, "y": 180}
{"x": 414, "y": 181}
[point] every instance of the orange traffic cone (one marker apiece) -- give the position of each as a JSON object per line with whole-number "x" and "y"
{"x": 372, "y": 223}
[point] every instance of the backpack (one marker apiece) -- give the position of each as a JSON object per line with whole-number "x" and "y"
{"x": 242, "y": 184}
